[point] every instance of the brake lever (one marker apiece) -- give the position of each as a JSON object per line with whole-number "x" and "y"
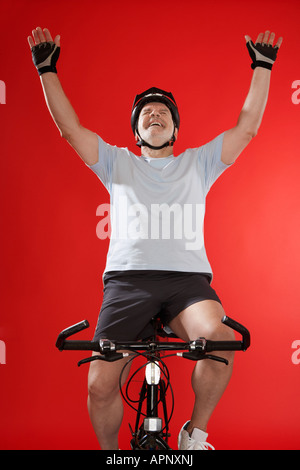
{"x": 217, "y": 358}
{"x": 108, "y": 357}
{"x": 198, "y": 356}
{"x": 88, "y": 359}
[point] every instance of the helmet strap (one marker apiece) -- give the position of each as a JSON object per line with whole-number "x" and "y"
{"x": 142, "y": 143}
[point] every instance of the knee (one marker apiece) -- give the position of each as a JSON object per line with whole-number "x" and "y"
{"x": 101, "y": 388}
{"x": 217, "y": 331}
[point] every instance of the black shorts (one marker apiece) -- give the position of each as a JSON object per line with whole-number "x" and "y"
{"x": 132, "y": 298}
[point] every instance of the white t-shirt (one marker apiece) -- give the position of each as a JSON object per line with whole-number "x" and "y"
{"x": 157, "y": 207}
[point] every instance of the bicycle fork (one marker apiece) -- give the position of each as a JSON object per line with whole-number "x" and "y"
{"x": 150, "y": 435}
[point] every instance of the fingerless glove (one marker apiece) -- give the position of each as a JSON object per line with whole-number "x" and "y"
{"x": 262, "y": 55}
{"x": 45, "y": 56}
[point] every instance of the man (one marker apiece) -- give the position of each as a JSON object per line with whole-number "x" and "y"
{"x": 156, "y": 263}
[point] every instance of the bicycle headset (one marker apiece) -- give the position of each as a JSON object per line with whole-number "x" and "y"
{"x": 149, "y": 96}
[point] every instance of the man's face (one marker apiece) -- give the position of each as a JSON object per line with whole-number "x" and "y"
{"x": 155, "y": 124}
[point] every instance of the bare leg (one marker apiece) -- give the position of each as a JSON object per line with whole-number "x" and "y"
{"x": 104, "y": 401}
{"x": 209, "y": 378}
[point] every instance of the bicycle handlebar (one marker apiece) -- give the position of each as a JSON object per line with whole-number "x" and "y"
{"x": 196, "y": 348}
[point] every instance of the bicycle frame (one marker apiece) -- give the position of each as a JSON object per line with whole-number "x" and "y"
{"x": 151, "y": 435}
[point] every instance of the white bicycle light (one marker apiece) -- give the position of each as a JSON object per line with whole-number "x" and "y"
{"x": 152, "y": 373}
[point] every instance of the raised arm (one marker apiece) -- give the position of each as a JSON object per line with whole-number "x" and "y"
{"x": 45, "y": 53}
{"x": 263, "y": 55}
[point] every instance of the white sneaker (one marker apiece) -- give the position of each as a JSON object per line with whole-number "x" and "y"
{"x": 186, "y": 442}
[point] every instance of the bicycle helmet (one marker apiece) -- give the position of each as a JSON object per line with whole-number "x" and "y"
{"x": 149, "y": 96}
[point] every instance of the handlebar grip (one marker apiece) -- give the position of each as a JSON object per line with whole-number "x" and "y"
{"x": 71, "y": 330}
{"x": 240, "y": 329}
{"x": 81, "y": 345}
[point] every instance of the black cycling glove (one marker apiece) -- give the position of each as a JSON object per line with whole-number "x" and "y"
{"x": 262, "y": 55}
{"x": 45, "y": 56}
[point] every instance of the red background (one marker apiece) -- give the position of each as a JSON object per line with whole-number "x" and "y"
{"x": 51, "y": 259}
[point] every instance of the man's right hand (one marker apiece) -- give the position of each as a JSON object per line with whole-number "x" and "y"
{"x": 45, "y": 51}
{"x": 84, "y": 141}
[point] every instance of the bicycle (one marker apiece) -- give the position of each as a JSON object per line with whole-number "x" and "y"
{"x": 153, "y": 432}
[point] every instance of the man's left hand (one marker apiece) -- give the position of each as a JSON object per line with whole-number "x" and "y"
{"x": 263, "y": 53}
